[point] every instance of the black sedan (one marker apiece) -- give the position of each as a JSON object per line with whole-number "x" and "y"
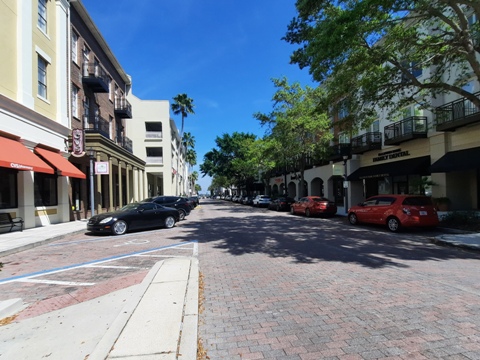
{"x": 134, "y": 216}
{"x": 281, "y": 204}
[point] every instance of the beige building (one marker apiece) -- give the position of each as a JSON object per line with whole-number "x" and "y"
{"x": 156, "y": 141}
{"x": 34, "y": 115}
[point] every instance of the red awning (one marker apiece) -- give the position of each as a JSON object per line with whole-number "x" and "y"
{"x": 14, "y": 155}
{"x": 65, "y": 167}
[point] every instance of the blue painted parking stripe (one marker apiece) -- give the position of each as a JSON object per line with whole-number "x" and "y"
{"x": 70, "y": 267}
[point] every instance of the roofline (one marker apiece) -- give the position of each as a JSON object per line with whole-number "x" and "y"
{"x": 85, "y": 16}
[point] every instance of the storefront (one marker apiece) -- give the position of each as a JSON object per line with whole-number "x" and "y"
{"x": 391, "y": 175}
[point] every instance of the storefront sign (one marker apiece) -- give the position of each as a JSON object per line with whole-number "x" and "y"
{"x": 102, "y": 168}
{"x": 77, "y": 143}
{"x": 392, "y": 154}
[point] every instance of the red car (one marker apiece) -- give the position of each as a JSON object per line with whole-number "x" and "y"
{"x": 313, "y": 205}
{"x": 395, "y": 211}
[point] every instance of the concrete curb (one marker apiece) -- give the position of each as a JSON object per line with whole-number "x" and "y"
{"x": 105, "y": 345}
{"x": 165, "y": 306}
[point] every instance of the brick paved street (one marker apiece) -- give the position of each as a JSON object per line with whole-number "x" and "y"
{"x": 284, "y": 287}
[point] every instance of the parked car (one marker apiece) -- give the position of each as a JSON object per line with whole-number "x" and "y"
{"x": 196, "y": 200}
{"x": 313, "y": 205}
{"x": 261, "y": 200}
{"x": 177, "y": 202}
{"x": 248, "y": 200}
{"x": 281, "y": 204}
{"x": 395, "y": 211}
{"x": 134, "y": 216}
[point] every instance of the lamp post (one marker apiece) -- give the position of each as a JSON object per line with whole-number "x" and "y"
{"x": 345, "y": 183}
{"x": 91, "y": 154}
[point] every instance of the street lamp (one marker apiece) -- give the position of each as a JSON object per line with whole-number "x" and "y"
{"x": 91, "y": 154}
{"x": 345, "y": 182}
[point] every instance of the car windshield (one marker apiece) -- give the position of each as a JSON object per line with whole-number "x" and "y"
{"x": 129, "y": 207}
{"x": 417, "y": 201}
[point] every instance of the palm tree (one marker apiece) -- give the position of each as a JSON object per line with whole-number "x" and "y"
{"x": 188, "y": 140}
{"x": 182, "y": 105}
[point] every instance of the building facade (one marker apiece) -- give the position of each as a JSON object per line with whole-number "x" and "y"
{"x": 100, "y": 110}
{"x": 35, "y": 174}
{"x": 156, "y": 141}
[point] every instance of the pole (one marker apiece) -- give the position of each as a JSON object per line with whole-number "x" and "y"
{"x": 92, "y": 197}
{"x": 345, "y": 184}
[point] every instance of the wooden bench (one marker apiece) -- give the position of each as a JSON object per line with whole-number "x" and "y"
{"x": 6, "y": 220}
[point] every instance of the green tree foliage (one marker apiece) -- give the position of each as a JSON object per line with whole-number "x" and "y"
{"x": 182, "y": 105}
{"x": 372, "y": 51}
{"x": 298, "y": 130}
{"x": 233, "y": 158}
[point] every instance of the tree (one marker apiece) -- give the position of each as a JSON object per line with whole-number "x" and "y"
{"x": 233, "y": 159}
{"x": 298, "y": 129}
{"x": 182, "y": 105}
{"x": 371, "y": 52}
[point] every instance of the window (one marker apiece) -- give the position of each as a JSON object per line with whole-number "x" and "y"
{"x": 42, "y": 77}
{"x": 86, "y": 112}
{"x": 154, "y": 151}
{"x": 45, "y": 189}
{"x": 376, "y": 126}
{"x": 343, "y": 110}
{"x": 74, "y": 47}
{"x": 86, "y": 55}
{"x": 343, "y": 138}
{"x": 8, "y": 189}
{"x": 42, "y": 15}
{"x": 75, "y": 101}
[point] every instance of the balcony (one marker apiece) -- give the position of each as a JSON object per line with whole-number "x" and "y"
{"x": 95, "y": 77}
{"x": 125, "y": 143}
{"x": 414, "y": 127}
{"x": 156, "y": 135}
{"x": 96, "y": 124}
{"x": 366, "y": 142}
{"x": 456, "y": 114}
{"x": 154, "y": 160}
{"x": 123, "y": 108}
{"x": 338, "y": 151}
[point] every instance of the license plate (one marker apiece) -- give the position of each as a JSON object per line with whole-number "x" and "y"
{"x": 423, "y": 213}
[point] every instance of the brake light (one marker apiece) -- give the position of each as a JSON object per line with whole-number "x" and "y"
{"x": 323, "y": 205}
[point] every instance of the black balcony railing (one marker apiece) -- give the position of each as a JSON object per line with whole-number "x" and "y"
{"x": 95, "y": 77}
{"x": 366, "y": 142}
{"x": 125, "y": 143}
{"x": 123, "y": 108}
{"x": 456, "y": 114}
{"x": 410, "y": 128}
{"x": 338, "y": 151}
{"x": 96, "y": 124}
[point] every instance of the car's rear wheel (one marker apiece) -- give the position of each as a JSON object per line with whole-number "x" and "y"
{"x": 352, "y": 217}
{"x": 307, "y": 212}
{"x": 169, "y": 222}
{"x": 393, "y": 224}
{"x": 119, "y": 227}
{"x": 182, "y": 214}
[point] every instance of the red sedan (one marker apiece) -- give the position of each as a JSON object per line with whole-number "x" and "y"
{"x": 395, "y": 211}
{"x": 313, "y": 205}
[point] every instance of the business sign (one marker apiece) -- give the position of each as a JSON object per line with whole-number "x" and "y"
{"x": 78, "y": 144}
{"x": 392, "y": 154}
{"x": 102, "y": 168}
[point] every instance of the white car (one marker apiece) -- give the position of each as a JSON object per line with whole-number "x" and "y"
{"x": 261, "y": 200}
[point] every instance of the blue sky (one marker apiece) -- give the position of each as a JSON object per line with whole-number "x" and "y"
{"x": 221, "y": 53}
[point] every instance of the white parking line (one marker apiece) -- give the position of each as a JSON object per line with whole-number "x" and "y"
{"x": 54, "y": 282}
{"x": 112, "y": 267}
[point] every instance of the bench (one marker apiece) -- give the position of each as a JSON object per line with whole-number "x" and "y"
{"x": 6, "y": 220}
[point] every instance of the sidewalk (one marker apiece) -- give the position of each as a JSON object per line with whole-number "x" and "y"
{"x": 155, "y": 319}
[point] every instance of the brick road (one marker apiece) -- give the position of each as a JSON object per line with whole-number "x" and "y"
{"x": 284, "y": 287}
